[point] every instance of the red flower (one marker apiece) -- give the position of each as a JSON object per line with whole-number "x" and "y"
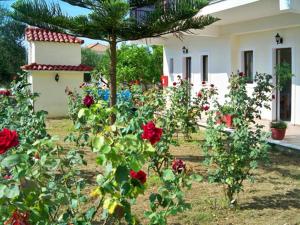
{"x": 5, "y": 92}
{"x": 18, "y": 218}
{"x": 241, "y": 74}
{"x": 140, "y": 176}
{"x": 178, "y": 166}
{"x": 88, "y": 101}
{"x": 205, "y": 107}
{"x": 203, "y": 82}
{"x": 174, "y": 83}
{"x": 8, "y": 139}
{"x": 7, "y": 177}
{"x": 199, "y": 94}
{"x": 212, "y": 86}
{"x": 273, "y": 97}
{"x": 151, "y": 133}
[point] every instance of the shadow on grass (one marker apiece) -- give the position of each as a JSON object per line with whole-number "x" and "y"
{"x": 275, "y": 201}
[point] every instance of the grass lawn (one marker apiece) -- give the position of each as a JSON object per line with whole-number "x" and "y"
{"x": 274, "y": 199}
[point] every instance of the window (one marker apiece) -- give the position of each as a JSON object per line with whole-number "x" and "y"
{"x": 205, "y": 68}
{"x": 87, "y": 77}
{"x": 248, "y": 65}
{"x": 171, "y": 65}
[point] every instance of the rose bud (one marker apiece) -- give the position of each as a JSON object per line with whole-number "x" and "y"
{"x": 241, "y": 74}
{"x": 174, "y": 83}
{"x": 212, "y": 85}
{"x": 141, "y": 176}
{"x": 37, "y": 156}
{"x": 205, "y": 108}
{"x": 203, "y": 82}
{"x": 178, "y": 166}
{"x": 199, "y": 94}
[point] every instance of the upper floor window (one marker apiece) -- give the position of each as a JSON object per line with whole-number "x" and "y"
{"x": 248, "y": 65}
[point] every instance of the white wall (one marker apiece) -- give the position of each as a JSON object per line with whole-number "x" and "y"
{"x": 55, "y": 53}
{"x": 52, "y": 94}
{"x": 225, "y": 57}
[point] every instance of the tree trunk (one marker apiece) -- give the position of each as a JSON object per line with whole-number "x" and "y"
{"x": 113, "y": 74}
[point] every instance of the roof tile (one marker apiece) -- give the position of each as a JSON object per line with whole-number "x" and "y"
{"x": 35, "y": 66}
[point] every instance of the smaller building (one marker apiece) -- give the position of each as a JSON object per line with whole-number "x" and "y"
{"x": 98, "y": 48}
{"x": 54, "y": 63}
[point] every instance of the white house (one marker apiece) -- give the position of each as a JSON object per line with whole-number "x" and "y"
{"x": 244, "y": 40}
{"x": 54, "y": 62}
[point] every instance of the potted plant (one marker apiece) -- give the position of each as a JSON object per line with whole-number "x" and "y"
{"x": 228, "y": 115}
{"x": 278, "y": 129}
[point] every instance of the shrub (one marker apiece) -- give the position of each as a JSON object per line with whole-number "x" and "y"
{"x": 233, "y": 155}
{"x": 278, "y": 125}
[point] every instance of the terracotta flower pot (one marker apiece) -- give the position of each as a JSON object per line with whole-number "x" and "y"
{"x": 278, "y": 134}
{"x": 228, "y": 119}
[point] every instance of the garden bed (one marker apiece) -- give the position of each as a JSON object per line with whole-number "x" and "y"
{"x": 273, "y": 199}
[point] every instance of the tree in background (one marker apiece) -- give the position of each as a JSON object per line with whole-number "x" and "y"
{"x": 89, "y": 57}
{"x": 13, "y": 52}
{"x": 115, "y": 21}
{"x": 135, "y": 63}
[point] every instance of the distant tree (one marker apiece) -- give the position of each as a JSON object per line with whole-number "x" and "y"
{"x": 13, "y": 53}
{"x": 89, "y": 57}
{"x": 141, "y": 63}
{"x": 116, "y": 21}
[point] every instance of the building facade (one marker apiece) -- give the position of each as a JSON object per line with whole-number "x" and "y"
{"x": 251, "y": 36}
{"x": 54, "y": 63}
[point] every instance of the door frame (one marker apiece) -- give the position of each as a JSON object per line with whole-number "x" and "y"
{"x": 276, "y": 102}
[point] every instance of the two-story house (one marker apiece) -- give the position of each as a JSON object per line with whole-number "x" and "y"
{"x": 54, "y": 63}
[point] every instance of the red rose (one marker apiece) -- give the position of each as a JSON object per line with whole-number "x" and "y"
{"x": 140, "y": 176}
{"x": 5, "y": 92}
{"x": 241, "y": 74}
{"x": 8, "y": 139}
{"x": 178, "y": 166}
{"x": 199, "y": 94}
{"x": 212, "y": 86}
{"x": 18, "y": 218}
{"x": 174, "y": 83}
{"x": 203, "y": 82}
{"x": 7, "y": 177}
{"x": 205, "y": 108}
{"x": 151, "y": 133}
{"x": 88, "y": 101}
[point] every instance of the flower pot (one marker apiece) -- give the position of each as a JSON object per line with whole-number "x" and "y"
{"x": 278, "y": 134}
{"x": 228, "y": 119}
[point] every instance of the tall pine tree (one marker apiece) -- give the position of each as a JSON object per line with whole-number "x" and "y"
{"x": 115, "y": 21}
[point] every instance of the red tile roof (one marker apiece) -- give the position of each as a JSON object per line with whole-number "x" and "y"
{"x": 37, "y": 34}
{"x": 35, "y": 66}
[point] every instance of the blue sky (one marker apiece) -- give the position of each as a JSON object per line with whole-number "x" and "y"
{"x": 69, "y": 9}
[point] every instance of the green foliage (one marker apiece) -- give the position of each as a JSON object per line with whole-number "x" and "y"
{"x": 90, "y": 58}
{"x": 11, "y": 47}
{"x": 278, "y": 125}
{"x": 37, "y": 177}
{"x": 234, "y": 155}
{"x": 135, "y": 63}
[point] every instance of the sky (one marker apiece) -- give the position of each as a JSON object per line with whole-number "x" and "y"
{"x": 69, "y": 9}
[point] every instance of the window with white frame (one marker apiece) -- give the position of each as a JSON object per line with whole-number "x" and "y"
{"x": 247, "y": 65}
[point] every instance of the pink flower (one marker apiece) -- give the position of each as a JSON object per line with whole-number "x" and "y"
{"x": 178, "y": 166}
{"x": 88, "y": 101}
{"x": 140, "y": 176}
{"x": 151, "y": 133}
{"x": 8, "y": 139}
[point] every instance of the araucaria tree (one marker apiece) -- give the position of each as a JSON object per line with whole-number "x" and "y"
{"x": 115, "y": 21}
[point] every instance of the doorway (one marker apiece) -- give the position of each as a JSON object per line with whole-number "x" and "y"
{"x": 284, "y": 95}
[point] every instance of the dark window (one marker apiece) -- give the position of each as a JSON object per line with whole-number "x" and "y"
{"x": 171, "y": 65}
{"x": 205, "y": 68}
{"x": 248, "y": 65}
{"x": 87, "y": 77}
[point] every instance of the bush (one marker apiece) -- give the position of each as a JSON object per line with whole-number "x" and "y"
{"x": 278, "y": 125}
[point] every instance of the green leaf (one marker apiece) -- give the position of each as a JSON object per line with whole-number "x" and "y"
{"x": 12, "y": 160}
{"x": 168, "y": 175}
{"x": 2, "y": 190}
{"x": 135, "y": 165}
{"x": 12, "y": 191}
{"x": 121, "y": 174}
{"x": 98, "y": 142}
{"x": 101, "y": 159}
{"x": 82, "y": 112}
